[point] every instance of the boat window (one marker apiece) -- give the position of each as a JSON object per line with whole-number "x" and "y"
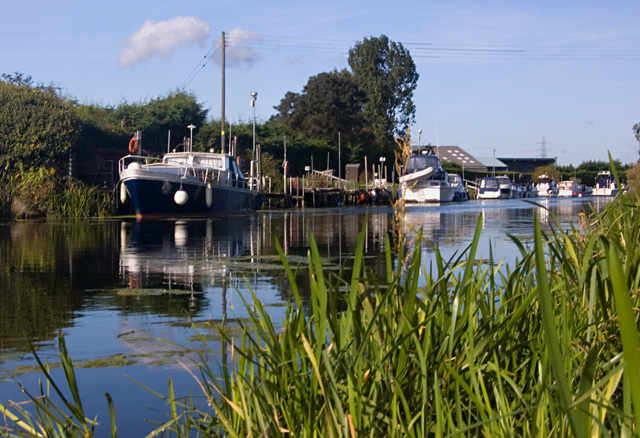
{"x": 176, "y": 161}
{"x": 215, "y": 163}
{"x": 420, "y": 162}
{"x": 489, "y": 183}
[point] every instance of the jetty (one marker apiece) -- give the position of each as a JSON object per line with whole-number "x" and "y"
{"x": 319, "y": 189}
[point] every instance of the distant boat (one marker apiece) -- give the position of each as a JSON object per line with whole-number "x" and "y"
{"x": 568, "y": 189}
{"x": 605, "y": 184}
{"x": 585, "y": 191}
{"x": 185, "y": 183}
{"x": 460, "y": 192}
{"x": 425, "y": 180}
{"x": 496, "y": 187}
{"x": 527, "y": 191}
{"x": 546, "y": 187}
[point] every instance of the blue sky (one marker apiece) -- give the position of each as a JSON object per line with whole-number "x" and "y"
{"x": 494, "y": 74}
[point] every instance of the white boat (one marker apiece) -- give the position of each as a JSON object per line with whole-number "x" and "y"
{"x": 546, "y": 187}
{"x": 605, "y": 184}
{"x": 568, "y": 189}
{"x": 496, "y": 187}
{"x": 425, "y": 180}
{"x": 185, "y": 183}
{"x": 460, "y": 192}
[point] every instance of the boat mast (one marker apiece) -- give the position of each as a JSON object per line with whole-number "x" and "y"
{"x": 222, "y": 113}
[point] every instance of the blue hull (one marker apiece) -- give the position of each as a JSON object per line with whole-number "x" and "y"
{"x": 155, "y": 198}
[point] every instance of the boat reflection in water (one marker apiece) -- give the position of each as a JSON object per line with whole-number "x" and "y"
{"x": 212, "y": 264}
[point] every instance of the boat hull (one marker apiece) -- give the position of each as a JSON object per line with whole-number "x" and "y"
{"x": 604, "y": 191}
{"x": 422, "y": 194}
{"x": 157, "y": 198}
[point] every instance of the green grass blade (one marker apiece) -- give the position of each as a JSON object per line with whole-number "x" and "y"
{"x": 551, "y": 335}
{"x": 627, "y": 324}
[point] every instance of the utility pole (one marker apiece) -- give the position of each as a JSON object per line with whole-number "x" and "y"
{"x": 222, "y": 113}
{"x": 544, "y": 148}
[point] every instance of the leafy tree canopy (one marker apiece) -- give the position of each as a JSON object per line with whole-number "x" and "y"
{"x": 159, "y": 116}
{"x": 37, "y": 128}
{"x": 330, "y": 106}
{"x": 386, "y": 72}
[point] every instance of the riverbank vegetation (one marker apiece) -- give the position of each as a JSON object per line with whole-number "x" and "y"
{"x": 546, "y": 346}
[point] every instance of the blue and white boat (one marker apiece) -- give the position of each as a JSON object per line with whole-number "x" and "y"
{"x": 184, "y": 184}
{"x": 605, "y": 184}
{"x": 460, "y": 192}
{"x": 425, "y": 180}
{"x": 496, "y": 187}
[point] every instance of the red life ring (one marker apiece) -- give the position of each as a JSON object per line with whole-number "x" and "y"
{"x": 133, "y": 145}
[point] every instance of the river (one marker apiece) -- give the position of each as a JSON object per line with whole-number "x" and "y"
{"x": 124, "y": 293}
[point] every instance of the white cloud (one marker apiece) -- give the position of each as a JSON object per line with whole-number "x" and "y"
{"x": 162, "y": 38}
{"x": 241, "y": 47}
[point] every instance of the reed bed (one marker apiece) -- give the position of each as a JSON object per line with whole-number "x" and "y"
{"x": 548, "y": 347}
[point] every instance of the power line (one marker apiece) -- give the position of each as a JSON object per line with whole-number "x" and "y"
{"x": 215, "y": 48}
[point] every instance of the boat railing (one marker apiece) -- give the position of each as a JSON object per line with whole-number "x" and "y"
{"x": 215, "y": 176}
{"x": 125, "y": 161}
{"x": 203, "y": 173}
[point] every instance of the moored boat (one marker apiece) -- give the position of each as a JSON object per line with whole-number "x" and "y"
{"x": 546, "y": 187}
{"x": 527, "y": 191}
{"x": 496, "y": 187}
{"x": 185, "y": 183}
{"x": 460, "y": 192}
{"x": 605, "y": 184}
{"x": 425, "y": 180}
{"x": 568, "y": 189}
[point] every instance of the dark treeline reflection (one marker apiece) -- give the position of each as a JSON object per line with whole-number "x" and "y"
{"x": 53, "y": 272}
{"x": 43, "y": 267}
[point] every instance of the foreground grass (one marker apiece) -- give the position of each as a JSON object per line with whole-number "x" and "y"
{"x": 547, "y": 347}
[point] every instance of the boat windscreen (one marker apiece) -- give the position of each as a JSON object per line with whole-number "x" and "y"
{"x": 420, "y": 162}
{"x": 489, "y": 183}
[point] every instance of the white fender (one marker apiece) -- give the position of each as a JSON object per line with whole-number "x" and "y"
{"x": 123, "y": 193}
{"x": 181, "y": 197}
{"x": 209, "y": 195}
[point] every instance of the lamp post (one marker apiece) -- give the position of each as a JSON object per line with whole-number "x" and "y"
{"x": 382, "y": 160}
{"x": 254, "y": 96}
{"x": 419, "y": 135}
{"x": 191, "y": 128}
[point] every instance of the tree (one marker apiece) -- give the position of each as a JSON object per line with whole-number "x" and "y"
{"x": 330, "y": 103}
{"x": 159, "y": 116}
{"x": 633, "y": 177}
{"x": 550, "y": 171}
{"x": 386, "y": 72}
{"x": 636, "y": 130}
{"x": 37, "y": 128}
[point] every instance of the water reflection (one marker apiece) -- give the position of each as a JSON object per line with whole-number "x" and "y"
{"x": 116, "y": 287}
{"x": 57, "y": 276}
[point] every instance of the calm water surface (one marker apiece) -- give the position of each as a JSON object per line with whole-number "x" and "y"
{"x": 124, "y": 292}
